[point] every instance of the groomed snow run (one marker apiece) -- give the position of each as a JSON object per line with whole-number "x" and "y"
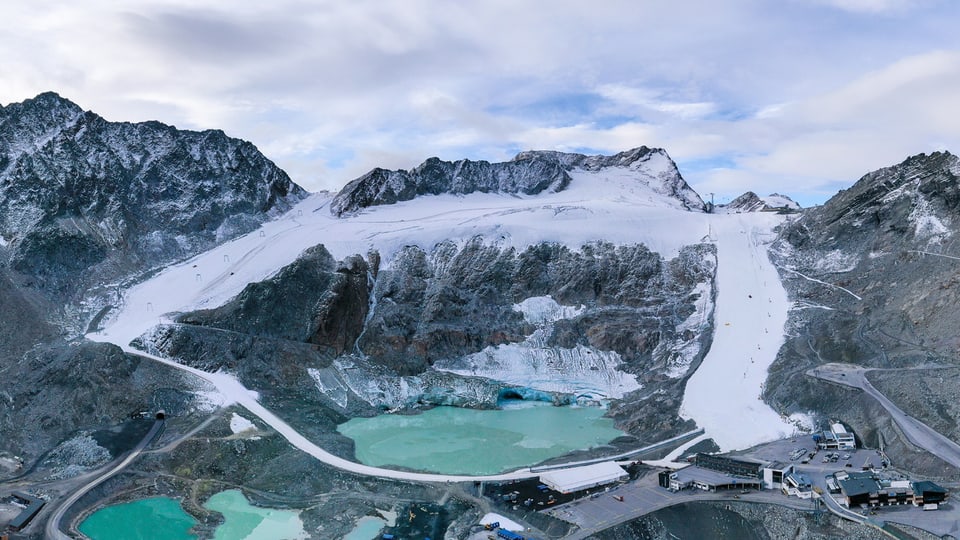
{"x": 723, "y": 396}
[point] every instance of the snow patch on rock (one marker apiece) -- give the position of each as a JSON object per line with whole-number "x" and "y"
{"x": 926, "y": 225}
{"x": 681, "y": 354}
{"x": 540, "y": 310}
{"x": 239, "y": 424}
{"x": 836, "y": 261}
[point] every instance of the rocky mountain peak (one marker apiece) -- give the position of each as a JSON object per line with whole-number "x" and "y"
{"x": 529, "y": 173}
{"x": 84, "y": 198}
{"x": 48, "y": 102}
{"x": 570, "y": 160}
{"x": 914, "y": 201}
{"x": 28, "y": 123}
{"x": 751, "y": 202}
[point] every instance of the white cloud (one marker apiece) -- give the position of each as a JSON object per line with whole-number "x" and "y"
{"x": 870, "y": 6}
{"x": 799, "y": 96}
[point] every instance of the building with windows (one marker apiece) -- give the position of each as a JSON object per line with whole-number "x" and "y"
{"x": 928, "y": 495}
{"x": 867, "y": 488}
{"x": 774, "y": 473}
{"x": 838, "y": 438}
{"x": 797, "y": 485}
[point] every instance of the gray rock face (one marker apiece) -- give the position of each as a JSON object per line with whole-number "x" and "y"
{"x": 84, "y": 200}
{"x": 529, "y": 173}
{"x": 313, "y": 300}
{"x": 54, "y": 390}
{"x": 874, "y": 278}
{"x": 360, "y": 337}
{"x": 86, "y": 204}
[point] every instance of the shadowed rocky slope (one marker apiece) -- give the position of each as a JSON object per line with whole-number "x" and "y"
{"x": 874, "y": 275}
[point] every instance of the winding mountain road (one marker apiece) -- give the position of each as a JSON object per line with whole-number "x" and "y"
{"x": 918, "y": 433}
{"x": 233, "y": 390}
{"x": 52, "y": 530}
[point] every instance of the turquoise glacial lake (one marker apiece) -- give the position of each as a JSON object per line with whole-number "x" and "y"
{"x": 243, "y": 521}
{"x": 163, "y": 518}
{"x": 146, "y": 519}
{"x": 453, "y": 440}
{"x": 367, "y": 528}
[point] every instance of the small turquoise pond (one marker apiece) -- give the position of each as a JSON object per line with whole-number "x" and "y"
{"x": 243, "y": 521}
{"x": 163, "y": 518}
{"x": 146, "y": 519}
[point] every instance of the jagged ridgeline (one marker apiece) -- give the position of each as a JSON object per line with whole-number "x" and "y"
{"x": 529, "y": 173}
{"x": 84, "y": 201}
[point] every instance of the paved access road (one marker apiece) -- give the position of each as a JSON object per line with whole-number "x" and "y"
{"x": 52, "y": 530}
{"x": 233, "y": 390}
{"x": 916, "y": 431}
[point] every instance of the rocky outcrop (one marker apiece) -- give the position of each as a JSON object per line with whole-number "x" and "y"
{"x": 878, "y": 255}
{"x": 54, "y": 390}
{"x": 529, "y": 173}
{"x": 314, "y": 300}
{"x": 873, "y": 276}
{"x": 84, "y": 201}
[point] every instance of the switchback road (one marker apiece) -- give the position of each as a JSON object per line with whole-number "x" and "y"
{"x": 918, "y": 433}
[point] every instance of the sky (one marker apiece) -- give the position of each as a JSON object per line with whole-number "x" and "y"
{"x": 800, "y": 97}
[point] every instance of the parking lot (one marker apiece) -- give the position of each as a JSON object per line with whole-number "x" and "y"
{"x": 784, "y": 449}
{"x": 605, "y": 509}
{"x": 645, "y": 495}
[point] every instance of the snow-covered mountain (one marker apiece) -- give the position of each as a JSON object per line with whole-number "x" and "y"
{"x": 529, "y": 173}
{"x": 596, "y": 280}
{"x": 84, "y": 201}
{"x": 87, "y": 207}
{"x": 751, "y": 202}
{"x": 604, "y": 291}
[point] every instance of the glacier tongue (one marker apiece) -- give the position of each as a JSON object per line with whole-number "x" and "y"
{"x": 584, "y": 372}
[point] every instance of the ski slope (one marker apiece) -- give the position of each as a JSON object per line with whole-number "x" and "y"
{"x": 723, "y": 395}
{"x": 608, "y": 205}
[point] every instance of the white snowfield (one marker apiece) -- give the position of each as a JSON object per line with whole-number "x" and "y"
{"x": 608, "y": 205}
{"x": 723, "y": 395}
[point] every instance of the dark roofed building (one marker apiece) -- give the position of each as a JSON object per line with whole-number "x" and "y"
{"x": 729, "y": 465}
{"x": 927, "y": 492}
{"x": 34, "y": 504}
{"x": 857, "y": 491}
